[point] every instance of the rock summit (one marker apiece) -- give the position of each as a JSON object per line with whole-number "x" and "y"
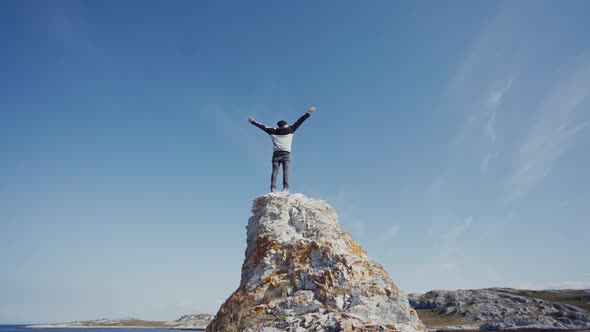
{"x": 303, "y": 272}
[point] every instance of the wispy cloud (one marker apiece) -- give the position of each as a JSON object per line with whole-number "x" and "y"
{"x": 491, "y": 56}
{"x": 490, "y": 126}
{"x": 560, "y": 118}
{"x": 392, "y": 231}
{"x": 481, "y": 84}
{"x": 485, "y": 162}
{"x": 494, "y": 100}
{"x": 451, "y": 253}
{"x": 456, "y": 231}
{"x": 496, "y": 95}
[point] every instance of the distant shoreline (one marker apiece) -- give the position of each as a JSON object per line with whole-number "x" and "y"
{"x": 191, "y": 322}
{"x": 49, "y": 327}
{"x": 52, "y": 327}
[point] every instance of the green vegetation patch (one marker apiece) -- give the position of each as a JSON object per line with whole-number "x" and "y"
{"x": 576, "y": 298}
{"x": 431, "y": 318}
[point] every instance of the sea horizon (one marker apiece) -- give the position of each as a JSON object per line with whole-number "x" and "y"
{"x": 20, "y": 327}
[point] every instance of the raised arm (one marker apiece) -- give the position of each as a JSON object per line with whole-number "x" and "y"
{"x": 261, "y": 126}
{"x": 301, "y": 119}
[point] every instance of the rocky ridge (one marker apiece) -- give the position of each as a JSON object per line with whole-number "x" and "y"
{"x": 303, "y": 272}
{"x": 494, "y": 309}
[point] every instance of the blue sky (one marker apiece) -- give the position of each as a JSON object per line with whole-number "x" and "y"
{"x": 451, "y": 139}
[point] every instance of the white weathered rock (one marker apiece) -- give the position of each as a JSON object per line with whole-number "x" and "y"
{"x": 302, "y": 272}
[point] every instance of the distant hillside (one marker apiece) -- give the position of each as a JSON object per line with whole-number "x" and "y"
{"x": 104, "y": 323}
{"x": 504, "y": 309}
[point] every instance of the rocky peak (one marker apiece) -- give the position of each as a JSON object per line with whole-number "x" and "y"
{"x": 303, "y": 272}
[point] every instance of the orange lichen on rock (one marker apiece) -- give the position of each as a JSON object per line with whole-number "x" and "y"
{"x": 264, "y": 244}
{"x": 356, "y": 249}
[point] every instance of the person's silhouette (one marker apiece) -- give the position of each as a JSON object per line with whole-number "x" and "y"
{"x": 282, "y": 137}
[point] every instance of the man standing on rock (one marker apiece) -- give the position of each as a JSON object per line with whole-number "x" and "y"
{"x": 282, "y": 137}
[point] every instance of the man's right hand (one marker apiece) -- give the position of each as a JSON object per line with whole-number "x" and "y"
{"x": 250, "y": 119}
{"x": 311, "y": 110}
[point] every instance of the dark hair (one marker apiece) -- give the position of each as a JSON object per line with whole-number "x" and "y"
{"x": 281, "y": 123}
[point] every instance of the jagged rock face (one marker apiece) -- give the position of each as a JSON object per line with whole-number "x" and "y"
{"x": 495, "y": 309}
{"x": 303, "y": 272}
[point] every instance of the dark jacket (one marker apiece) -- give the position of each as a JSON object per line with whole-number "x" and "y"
{"x": 282, "y": 138}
